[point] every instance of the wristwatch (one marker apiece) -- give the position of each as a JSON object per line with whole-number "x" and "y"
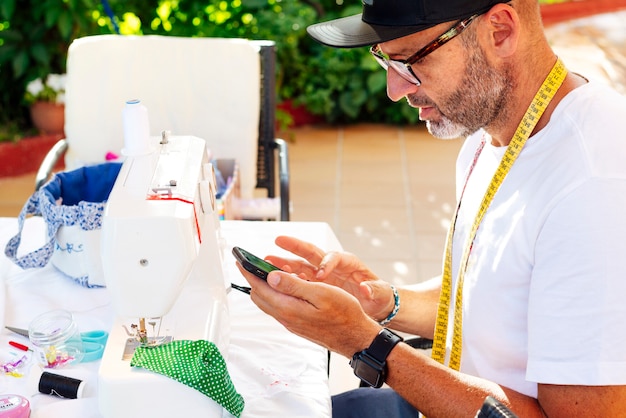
{"x": 370, "y": 365}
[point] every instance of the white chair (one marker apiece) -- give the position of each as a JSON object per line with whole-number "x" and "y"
{"x": 221, "y": 90}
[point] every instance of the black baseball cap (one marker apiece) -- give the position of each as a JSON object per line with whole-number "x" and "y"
{"x": 384, "y": 20}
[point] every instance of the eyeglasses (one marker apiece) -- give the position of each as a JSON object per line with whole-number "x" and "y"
{"x": 403, "y": 67}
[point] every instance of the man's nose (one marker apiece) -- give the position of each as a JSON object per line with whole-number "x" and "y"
{"x": 398, "y": 87}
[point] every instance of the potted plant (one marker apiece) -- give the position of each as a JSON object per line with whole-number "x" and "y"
{"x": 46, "y": 98}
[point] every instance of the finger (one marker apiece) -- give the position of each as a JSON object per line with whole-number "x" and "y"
{"x": 378, "y": 297}
{"x": 281, "y": 262}
{"x": 286, "y": 298}
{"x": 292, "y": 285}
{"x": 366, "y": 291}
{"x": 303, "y": 249}
{"x": 327, "y": 265}
{"x": 292, "y": 266}
{"x": 276, "y": 276}
{"x": 261, "y": 294}
{"x": 376, "y": 290}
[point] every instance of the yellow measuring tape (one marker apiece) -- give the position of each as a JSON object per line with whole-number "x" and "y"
{"x": 533, "y": 114}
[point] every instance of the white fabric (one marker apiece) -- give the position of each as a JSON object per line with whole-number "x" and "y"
{"x": 278, "y": 373}
{"x": 205, "y": 87}
{"x": 545, "y": 285}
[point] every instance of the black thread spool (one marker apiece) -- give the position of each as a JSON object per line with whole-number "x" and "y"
{"x": 61, "y": 386}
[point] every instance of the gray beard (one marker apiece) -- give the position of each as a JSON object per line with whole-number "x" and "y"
{"x": 477, "y": 103}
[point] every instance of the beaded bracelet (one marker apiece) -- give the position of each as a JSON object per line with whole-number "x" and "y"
{"x": 396, "y": 306}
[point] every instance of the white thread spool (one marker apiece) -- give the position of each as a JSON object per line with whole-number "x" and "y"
{"x": 136, "y": 129}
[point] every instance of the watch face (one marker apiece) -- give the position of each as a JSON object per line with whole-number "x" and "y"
{"x": 369, "y": 373}
{"x": 370, "y": 365}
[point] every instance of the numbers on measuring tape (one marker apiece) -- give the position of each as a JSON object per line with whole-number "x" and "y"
{"x": 534, "y": 112}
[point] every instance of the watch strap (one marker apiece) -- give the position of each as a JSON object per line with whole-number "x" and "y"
{"x": 382, "y": 345}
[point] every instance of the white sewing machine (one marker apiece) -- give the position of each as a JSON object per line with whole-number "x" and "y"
{"x": 162, "y": 263}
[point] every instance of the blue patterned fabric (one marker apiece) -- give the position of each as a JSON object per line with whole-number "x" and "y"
{"x": 70, "y": 198}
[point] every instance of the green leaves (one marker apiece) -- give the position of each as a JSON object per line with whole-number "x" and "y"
{"x": 340, "y": 85}
{"x": 40, "y": 53}
{"x": 20, "y": 63}
{"x": 7, "y": 7}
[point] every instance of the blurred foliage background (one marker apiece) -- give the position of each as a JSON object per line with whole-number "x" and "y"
{"x": 339, "y": 85}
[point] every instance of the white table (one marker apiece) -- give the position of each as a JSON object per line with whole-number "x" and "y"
{"x": 278, "y": 373}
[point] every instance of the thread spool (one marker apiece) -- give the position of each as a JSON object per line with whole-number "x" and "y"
{"x": 136, "y": 126}
{"x": 14, "y": 406}
{"x": 61, "y": 386}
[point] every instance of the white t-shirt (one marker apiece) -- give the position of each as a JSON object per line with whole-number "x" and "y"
{"x": 545, "y": 288}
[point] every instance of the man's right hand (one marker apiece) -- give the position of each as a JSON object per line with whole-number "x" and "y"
{"x": 341, "y": 269}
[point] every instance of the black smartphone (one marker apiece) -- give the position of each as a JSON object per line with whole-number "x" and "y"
{"x": 252, "y": 263}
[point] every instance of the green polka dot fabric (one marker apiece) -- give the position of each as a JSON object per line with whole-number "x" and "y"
{"x": 197, "y": 364}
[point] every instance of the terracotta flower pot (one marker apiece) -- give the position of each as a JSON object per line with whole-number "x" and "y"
{"x": 25, "y": 156}
{"x": 48, "y": 117}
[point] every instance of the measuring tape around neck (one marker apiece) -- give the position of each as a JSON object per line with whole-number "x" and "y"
{"x": 539, "y": 104}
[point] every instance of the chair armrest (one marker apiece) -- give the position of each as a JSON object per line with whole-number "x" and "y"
{"x": 50, "y": 160}
{"x": 420, "y": 343}
{"x": 492, "y": 408}
{"x": 283, "y": 178}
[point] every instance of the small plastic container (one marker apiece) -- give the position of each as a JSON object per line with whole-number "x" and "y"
{"x": 56, "y": 338}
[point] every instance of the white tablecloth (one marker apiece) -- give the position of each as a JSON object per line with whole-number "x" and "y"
{"x": 278, "y": 373}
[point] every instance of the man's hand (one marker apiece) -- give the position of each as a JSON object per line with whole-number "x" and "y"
{"x": 317, "y": 311}
{"x": 340, "y": 269}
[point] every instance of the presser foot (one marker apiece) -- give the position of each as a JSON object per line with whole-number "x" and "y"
{"x": 132, "y": 344}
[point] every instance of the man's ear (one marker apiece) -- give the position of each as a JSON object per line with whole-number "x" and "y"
{"x": 503, "y": 29}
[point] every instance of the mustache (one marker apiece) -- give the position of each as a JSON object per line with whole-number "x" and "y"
{"x": 425, "y": 101}
{"x": 420, "y": 101}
